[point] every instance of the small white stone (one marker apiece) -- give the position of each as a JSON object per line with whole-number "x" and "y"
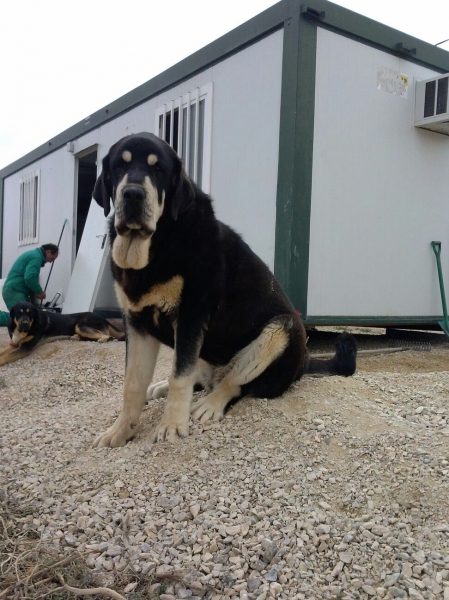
{"x": 346, "y": 557}
{"x": 275, "y": 589}
{"x": 233, "y": 530}
{"x": 368, "y": 589}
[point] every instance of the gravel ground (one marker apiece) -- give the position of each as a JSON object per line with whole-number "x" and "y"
{"x": 337, "y": 490}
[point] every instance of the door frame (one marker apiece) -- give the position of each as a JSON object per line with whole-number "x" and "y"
{"x": 77, "y": 156}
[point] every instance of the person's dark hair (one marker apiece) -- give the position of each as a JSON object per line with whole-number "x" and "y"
{"x": 52, "y": 247}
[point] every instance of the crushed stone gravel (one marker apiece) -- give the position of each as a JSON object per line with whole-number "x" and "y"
{"x": 339, "y": 489}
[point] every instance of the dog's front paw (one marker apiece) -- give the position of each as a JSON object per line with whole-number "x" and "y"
{"x": 168, "y": 431}
{"x": 117, "y": 435}
{"x": 208, "y": 408}
{"x": 157, "y": 390}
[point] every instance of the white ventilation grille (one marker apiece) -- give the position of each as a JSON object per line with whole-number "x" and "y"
{"x": 185, "y": 123}
{"x": 29, "y": 209}
{"x": 431, "y": 104}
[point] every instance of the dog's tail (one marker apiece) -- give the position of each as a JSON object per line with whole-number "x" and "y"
{"x": 342, "y": 363}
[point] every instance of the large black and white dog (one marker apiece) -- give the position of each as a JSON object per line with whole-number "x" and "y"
{"x": 185, "y": 279}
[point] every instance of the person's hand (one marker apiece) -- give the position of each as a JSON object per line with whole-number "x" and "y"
{"x": 41, "y": 296}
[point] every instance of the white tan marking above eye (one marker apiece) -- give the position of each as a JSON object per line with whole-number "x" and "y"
{"x": 152, "y": 159}
{"x": 127, "y": 156}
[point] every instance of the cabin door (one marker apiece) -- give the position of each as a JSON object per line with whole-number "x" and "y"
{"x": 90, "y": 242}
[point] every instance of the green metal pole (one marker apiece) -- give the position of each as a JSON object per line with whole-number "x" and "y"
{"x": 445, "y": 323}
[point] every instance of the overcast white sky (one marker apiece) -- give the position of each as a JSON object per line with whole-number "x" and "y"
{"x": 62, "y": 60}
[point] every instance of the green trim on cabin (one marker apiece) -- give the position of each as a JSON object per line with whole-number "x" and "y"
{"x": 367, "y": 321}
{"x": 303, "y": 165}
{"x": 294, "y": 191}
{"x": 366, "y": 30}
{"x": 286, "y": 160}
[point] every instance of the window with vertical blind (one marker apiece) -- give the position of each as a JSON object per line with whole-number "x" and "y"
{"x": 186, "y": 124}
{"x": 29, "y": 209}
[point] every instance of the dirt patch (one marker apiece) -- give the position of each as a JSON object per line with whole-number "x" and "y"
{"x": 409, "y": 361}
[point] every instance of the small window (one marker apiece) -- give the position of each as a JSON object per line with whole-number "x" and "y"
{"x": 29, "y": 209}
{"x": 186, "y": 124}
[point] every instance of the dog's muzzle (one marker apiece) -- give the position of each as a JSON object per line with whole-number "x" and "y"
{"x": 131, "y": 219}
{"x": 24, "y": 326}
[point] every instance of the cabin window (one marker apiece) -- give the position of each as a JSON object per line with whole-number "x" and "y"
{"x": 29, "y": 209}
{"x": 186, "y": 124}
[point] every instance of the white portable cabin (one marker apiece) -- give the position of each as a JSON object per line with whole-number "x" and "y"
{"x": 311, "y": 128}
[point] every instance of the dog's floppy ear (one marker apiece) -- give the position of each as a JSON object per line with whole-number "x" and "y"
{"x": 12, "y": 316}
{"x": 103, "y": 189}
{"x": 184, "y": 194}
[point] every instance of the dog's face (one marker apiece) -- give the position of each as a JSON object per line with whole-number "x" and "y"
{"x": 23, "y": 315}
{"x": 143, "y": 177}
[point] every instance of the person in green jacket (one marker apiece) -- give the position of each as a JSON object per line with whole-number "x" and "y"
{"x": 22, "y": 282}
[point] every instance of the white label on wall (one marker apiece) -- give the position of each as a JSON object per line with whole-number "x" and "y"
{"x": 392, "y": 82}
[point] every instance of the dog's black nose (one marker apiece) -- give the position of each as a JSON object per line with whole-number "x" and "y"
{"x": 134, "y": 193}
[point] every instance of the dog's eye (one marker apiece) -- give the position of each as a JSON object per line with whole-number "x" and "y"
{"x": 158, "y": 168}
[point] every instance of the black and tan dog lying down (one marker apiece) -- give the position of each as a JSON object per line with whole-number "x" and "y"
{"x": 29, "y": 327}
{"x": 188, "y": 281}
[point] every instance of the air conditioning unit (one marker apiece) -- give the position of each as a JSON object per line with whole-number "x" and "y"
{"x": 431, "y": 104}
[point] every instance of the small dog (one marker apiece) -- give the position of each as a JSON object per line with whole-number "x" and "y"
{"x": 187, "y": 280}
{"x": 29, "y": 327}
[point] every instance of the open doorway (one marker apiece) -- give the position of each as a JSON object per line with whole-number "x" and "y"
{"x": 87, "y": 175}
